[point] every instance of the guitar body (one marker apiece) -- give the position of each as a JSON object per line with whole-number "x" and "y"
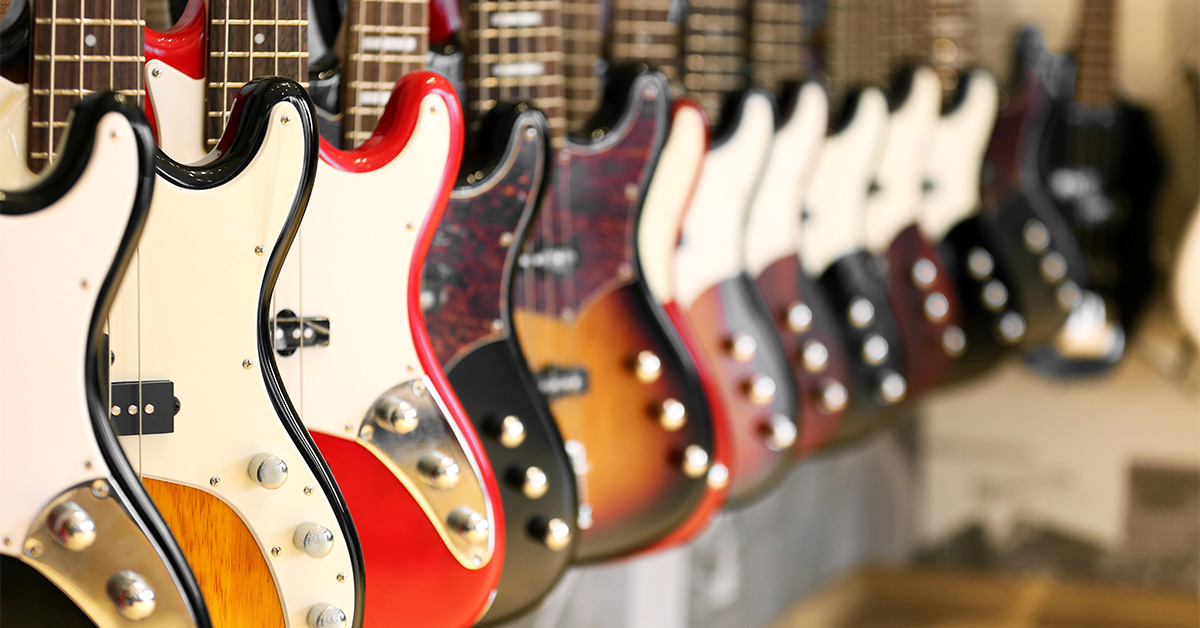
{"x": 176, "y": 85}
{"x": 832, "y": 248}
{"x": 14, "y": 122}
{"x": 1187, "y": 279}
{"x": 799, "y": 310}
{"x": 365, "y": 379}
{"x": 466, "y": 288}
{"x": 670, "y": 194}
{"x": 727, "y": 315}
{"x": 224, "y": 228}
{"x": 74, "y": 513}
{"x": 600, "y": 345}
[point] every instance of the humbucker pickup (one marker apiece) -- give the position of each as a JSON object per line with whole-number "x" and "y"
{"x": 139, "y": 408}
{"x": 554, "y": 382}
{"x": 293, "y": 332}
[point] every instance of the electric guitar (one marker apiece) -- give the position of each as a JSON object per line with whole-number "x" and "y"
{"x": 647, "y": 32}
{"x": 626, "y": 399}
{"x": 833, "y": 234}
{"x": 467, "y": 303}
{"x": 800, "y": 310}
{"x": 191, "y": 387}
{"x": 345, "y": 320}
{"x": 14, "y": 93}
{"x": 76, "y": 523}
{"x": 711, "y": 282}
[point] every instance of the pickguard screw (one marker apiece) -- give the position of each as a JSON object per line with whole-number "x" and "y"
{"x": 214, "y": 480}
{"x": 9, "y": 541}
{"x": 631, "y": 192}
{"x": 258, "y": 250}
{"x": 341, "y": 577}
{"x": 506, "y": 238}
{"x": 497, "y": 325}
{"x": 85, "y": 284}
{"x": 410, "y": 226}
{"x": 308, "y": 490}
{"x": 284, "y": 120}
{"x": 156, "y": 72}
{"x": 434, "y": 108}
{"x": 275, "y": 551}
{"x": 34, "y": 548}
{"x": 247, "y": 364}
{"x": 366, "y": 433}
{"x": 89, "y": 465}
{"x": 101, "y": 489}
{"x": 530, "y": 133}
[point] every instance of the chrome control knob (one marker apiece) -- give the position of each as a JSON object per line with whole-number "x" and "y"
{"x": 326, "y": 616}
{"x": 438, "y": 470}
{"x": 511, "y": 431}
{"x": 268, "y": 471}
{"x": 647, "y": 367}
{"x": 72, "y": 526}
{"x": 672, "y": 415}
{"x": 695, "y": 461}
{"x": 313, "y": 539}
{"x": 131, "y": 594}
{"x": 472, "y": 526}
{"x": 781, "y": 432}
{"x": 742, "y": 347}
{"x": 395, "y": 414}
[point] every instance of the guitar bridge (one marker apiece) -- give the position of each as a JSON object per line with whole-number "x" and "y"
{"x": 293, "y": 332}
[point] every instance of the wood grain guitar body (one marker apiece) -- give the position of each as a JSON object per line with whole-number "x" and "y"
{"x": 627, "y": 403}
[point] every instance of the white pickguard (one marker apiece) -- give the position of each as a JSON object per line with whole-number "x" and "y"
{"x": 188, "y": 311}
{"x": 896, "y": 203}
{"x": 351, "y": 265}
{"x": 670, "y": 193}
{"x": 179, "y": 111}
{"x": 773, "y": 225}
{"x": 956, "y": 160}
{"x": 49, "y": 443}
{"x": 1187, "y": 278}
{"x": 837, "y": 197}
{"x": 711, "y": 247}
{"x": 14, "y": 127}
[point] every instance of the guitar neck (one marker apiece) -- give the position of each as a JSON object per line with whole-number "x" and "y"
{"x": 646, "y": 31}
{"x": 1094, "y": 57}
{"x": 515, "y": 53}
{"x": 953, "y": 47}
{"x": 583, "y": 47}
{"x": 249, "y": 40}
{"x": 778, "y": 43}
{"x": 79, "y": 48}
{"x": 383, "y": 40}
{"x": 853, "y": 28}
{"x": 715, "y": 52}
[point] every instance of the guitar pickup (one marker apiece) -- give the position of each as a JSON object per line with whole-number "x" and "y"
{"x": 554, "y": 382}
{"x": 147, "y": 407}
{"x": 293, "y": 332}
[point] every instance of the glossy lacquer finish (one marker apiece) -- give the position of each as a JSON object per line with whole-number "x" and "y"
{"x": 466, "y": 293}
{"x": 581, "y": 307}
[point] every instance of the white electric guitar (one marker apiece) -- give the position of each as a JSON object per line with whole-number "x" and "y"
{"x": 1187, "y": 279}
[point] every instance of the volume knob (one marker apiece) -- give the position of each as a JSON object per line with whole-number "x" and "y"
{"x": 313, "y": 539}
{"x": 647, "y": 367}
{"x": 395, "y": 414}
{"x": 438, "y": 470}
{"x": 72, "y": 526}
{"x": 472, "y": 526}
{"x": 326, "y": 616}
{"x": 131, "y": 594}
{"x": 268, "y": 471}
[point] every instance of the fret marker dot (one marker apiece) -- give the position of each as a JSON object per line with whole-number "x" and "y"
{"x": 260, "y": 38}
{"x": 90, "y": 40}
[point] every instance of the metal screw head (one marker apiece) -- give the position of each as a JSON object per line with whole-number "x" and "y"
{"x": 268, "y": 471}
{"x": 874, "y": 350}
{"x": 995, "y": 295}
{"x": 954, "y": 341}
{"x": 9, "y": 541}
{"x": 937, "y": 306}
{"x": 861, "y": 312}
{"x": 924, "y": 273}
{"x": 534, "y": 483}
{"x": 259, "y": 250}
{"x": 557, "y": 535}
{"x": 155, "y": 72}
{"x": 647, "y": 367}
{"x": 761, "y": 389}
{"x": 625, "y": 271}
{"x": 397, "y": 415}
{"x": 892, "y": 388}
{"x": 511, "y": 431}
{"x": 1054, "y": 267}
{"x": 434, "y": 108}
{"x": 149, "y": 408}
{"x": 285, "y": 119}
{"x": 631, "y": 192}
{"x": 34, "y": 549}
{"x": 309, "y": 490}
{"x": 472, "y": 526}
{"x": 341, "y": 577}
{"x": 132, "y": 596}
{"x": 980, "y": 263}
{"x": 695, "y": 461}
{"x": 799, "y": 317}
{"x": 718, "y": 476}
{"x": 815, "y": 356}
{"x": 781, "y": 433}
{"x": 313, "y": 539}
{"x": 85, "y": 284}
{"x": 672, "y": 415}
{"x": 326, "y": 616}
{"x": 531, "y": 133}
{"x": 247, "y": 363}
{"x": 275, "y": 551}
{"x": 742, "y": 347}
{"x": 506, "y": 238}
{"x": 438, "y": 470}
{"x": 101, "y": 489}
{"x": 72, "y": 526}
{"x": 834, "y": 396}
{"x": 1011, "y": 328}
{"x": 115, "y": 411}
{"x": 1036, "y": 236}
{"x": 366, "y": 433}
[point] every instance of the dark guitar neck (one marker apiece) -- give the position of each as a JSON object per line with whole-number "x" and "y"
{"x": 778, "y": 43}
{"x": 952, "y": 52}
{"x": 646, "y": 31}
{"x": 582, "y": 48}
{"x": 715, "y": 53}
{"x": 1094, "y": 55}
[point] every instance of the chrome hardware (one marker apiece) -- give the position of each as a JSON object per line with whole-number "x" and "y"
{"x": 294, "y": 332}
{"x": 672, "y": 415}
{"x": 1011, "y": 327}
{"x": 892, "y": 388}
{"x": 647, "y": 367}
{"x": 815, "y": 356}
{"x": 861, "y": 312}
{"x": 781, "y": 432}
{"x": 874, "y": 350}
{"x": 742, "y": 347}
{"x": 954, "y": 341}
{"x": 799, "y": 317}
{"x": 555, "y": 534}
{"x": 534, "y": 483}
{"x": 995, "y": 295}
{"x": 577, "y": 453}
{"x": 980, "y": 264}
{"x": 718, "y": 476}
{"x": 924, "y": 273}
{"x": 834, "y": 396}
{"x": 470, "y": 525}
{"x": 761, "y": 389}
{"x": 326, "y": 616}
{"x": 438, "y": 470}
{"x": 1036, "y": 236}
{"x": 1069, "y": 295}
{"x": 395, "y": 414}
{"x": 72, "y": 526}
{"x": 132, "y": 596}
{"x": 268, "y": 471}
{"x": 511, "y": 431}
{"x": 313, "y": 539}
{"x": 937, "y": 306}
{"x": 695, "y": 461}
{"x": 247, "y": 364}
{"x": 1054, "y": 267}
{"x": 101, "y": 489}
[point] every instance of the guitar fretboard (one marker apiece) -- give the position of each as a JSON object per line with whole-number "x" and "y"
{"x": 715, "y": 52}
{"x": 78, "y": 48}
{"x": 869, "y": 40}
{"x": 249, "y": 39}
{"x": 383, "y": 41}
{"x": 953, "y": 47}
{"x": 1094, "y": 56}
{"x": 515, "y": 53}
{"x": 583, "y": 47}
{"x": 646, "y": 31}
{"x": 778, "y": 39}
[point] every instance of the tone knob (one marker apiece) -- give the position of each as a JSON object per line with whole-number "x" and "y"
{"x": 761, "y": 390}
{"x": 132, "y": 596}
{"x": 695, "y": 461}
{"x": 954, "y": 341}
{"x": 995, "y": 295}
{"x": 874, "y": 350}
{"x": 672, "y": 415}
{"x": 980, "y": 263}
{"x": 937, "y": 306}
{"x": 72, "y": 526}
{"x": 834, "y": 396}
{"x": 268, "y": 471}
{"x": 534, "y": 483}
{"x": 397, "y": 415}
{"x": 438, "y": 470}
{"x": 313, "y": 539}
{"x": 781, "y": 433}
{"x": 511, "y": 432}
{"x": 1054, "y": 267}
{"x": 924, "y": 273}
{"x": 647, "y": 367}
{"x": 1036, "y": 236}
{"x": 472, "y": 526}
{"x": 718, "y": 476}
{"x": 742, "y": 347}
{"x": 861, "y": 312}
{"x": 892, "y": 388}
{"x": 1011, "y": 328}
{"x": 1069, "y": 295}
{"x": 326, "y": 616}
{"x": 799, "y": 317}
{"x": 815, "y": 356}
{"x": 555, "y": 534}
